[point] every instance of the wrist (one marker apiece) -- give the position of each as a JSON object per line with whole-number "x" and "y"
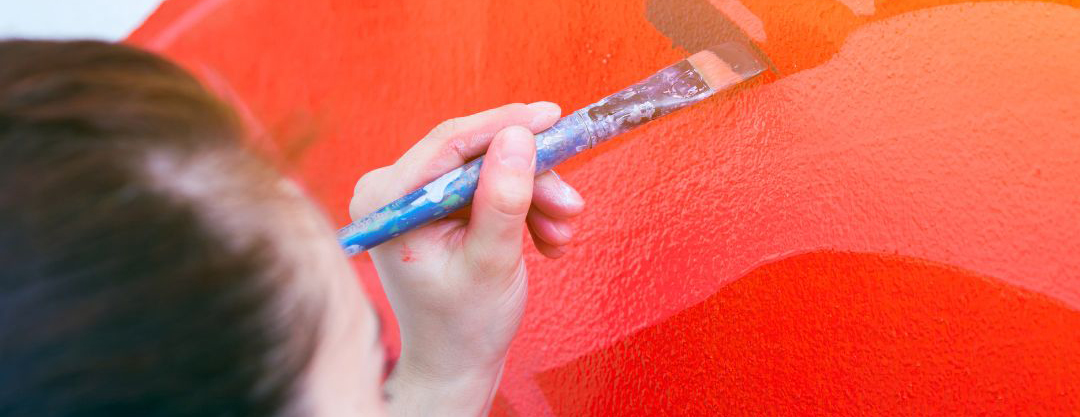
{"x": 416, "y": 389}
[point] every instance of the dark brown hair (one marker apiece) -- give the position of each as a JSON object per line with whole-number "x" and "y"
{"x": 131, "y": 282}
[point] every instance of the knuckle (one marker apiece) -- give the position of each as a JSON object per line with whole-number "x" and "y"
{"x": 447, "y": 129}
{"x": 452, "y": 128}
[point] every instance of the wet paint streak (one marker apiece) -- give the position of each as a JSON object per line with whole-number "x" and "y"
{"x": 670, "y": 89}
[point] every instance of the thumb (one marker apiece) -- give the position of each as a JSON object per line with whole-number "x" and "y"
{"x": 503, "y": 195}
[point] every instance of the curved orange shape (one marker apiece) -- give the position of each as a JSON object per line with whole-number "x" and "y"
{"x": 830, "y": 333}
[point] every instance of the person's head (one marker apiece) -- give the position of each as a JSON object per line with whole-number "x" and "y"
{"x": 149, "y": 264}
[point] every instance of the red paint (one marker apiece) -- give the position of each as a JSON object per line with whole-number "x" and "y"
{"x": 941, "y": 133}
{"x": 406, "y": 253}
{"x": 802, "y": 335}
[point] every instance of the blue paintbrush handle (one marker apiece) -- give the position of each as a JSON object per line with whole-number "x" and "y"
{"x": 455, "y": 189}
{"x": 672, "y": 88}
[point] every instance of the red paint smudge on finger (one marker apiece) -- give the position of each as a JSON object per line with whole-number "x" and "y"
{"x": 406, "y": 254}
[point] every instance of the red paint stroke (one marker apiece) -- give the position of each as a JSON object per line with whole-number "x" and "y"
{"x": 839, "y": 334}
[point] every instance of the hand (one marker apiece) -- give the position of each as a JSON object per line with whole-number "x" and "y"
{"x": 458, "y": 285}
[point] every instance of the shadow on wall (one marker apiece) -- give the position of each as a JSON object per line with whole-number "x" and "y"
{"x": 839, "y": 333}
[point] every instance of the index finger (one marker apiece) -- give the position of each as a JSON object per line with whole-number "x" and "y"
{"x": 456, "y": 141}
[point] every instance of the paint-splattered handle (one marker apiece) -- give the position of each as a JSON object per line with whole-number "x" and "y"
{"x": 439, "y": 198}
{"x": 672, "y": 88}
{"x": 455, "y": 189}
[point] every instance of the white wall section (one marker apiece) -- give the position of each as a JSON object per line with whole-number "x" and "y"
{"x": 71, "y": 19}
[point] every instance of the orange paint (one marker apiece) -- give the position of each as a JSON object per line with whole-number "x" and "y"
{"x": 942, "y": 133}
{"x": 802, "y": 335}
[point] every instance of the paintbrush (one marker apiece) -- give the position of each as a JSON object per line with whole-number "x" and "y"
{"x": 701, "y": 75}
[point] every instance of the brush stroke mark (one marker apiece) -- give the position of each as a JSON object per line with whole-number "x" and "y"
{"x": 800, "y": 34}
{"x": 743, "y": 17}
{"x": 860, "y": 7}
{"x": 696, "y": 24}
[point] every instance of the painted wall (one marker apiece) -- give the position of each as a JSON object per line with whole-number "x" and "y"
{"x": 888, "y": 224}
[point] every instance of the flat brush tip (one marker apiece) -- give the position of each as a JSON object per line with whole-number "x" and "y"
{"x": 726, "y": 64}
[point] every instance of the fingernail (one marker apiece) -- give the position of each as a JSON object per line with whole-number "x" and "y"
{"x": 570, "y": 195}
{"x": 516, "y": 148}
{"x": 546, "y": 114}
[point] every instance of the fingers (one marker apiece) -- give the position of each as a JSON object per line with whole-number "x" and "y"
{"x": 549, "y": 235}
{"x": 549, "y": 250}
{"x": 502, "y": 200}
{"x": 446, "y": 147}
{"x": 556, "y": 198}
{"x": 456, "y": 141}
{"x": 557, "y": 232}
{"x": 554, "y": 203}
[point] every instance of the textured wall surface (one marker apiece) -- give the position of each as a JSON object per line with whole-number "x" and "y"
{"x": 889, "y": 223}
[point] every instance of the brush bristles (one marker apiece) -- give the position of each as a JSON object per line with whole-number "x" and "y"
{"x": 724, "y": 65}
